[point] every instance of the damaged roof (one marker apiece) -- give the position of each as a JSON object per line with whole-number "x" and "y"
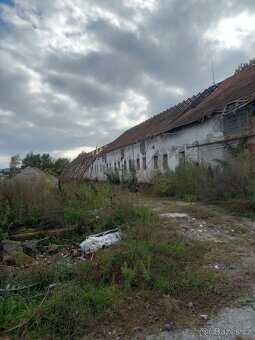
{"x": 77, "y": 168}
{"x": 240, "y": 86}
{"x": 192, "y": 110}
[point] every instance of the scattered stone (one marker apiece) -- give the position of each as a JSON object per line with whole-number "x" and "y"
{"x": 174, "y": 215}
{"x": 53, "y": 248}
{"x": 11, "y": 246}
{"x": 81, "y": 258}
{"x": 76, "y": 253}
{"x": 190, "y": 305}
{"x": 138, "y": 329}
{"x": 9, "y": 260}
{"x": 30, "y": 247}
{"x": 166, "y": 328}
{"x": 204, "y": 317}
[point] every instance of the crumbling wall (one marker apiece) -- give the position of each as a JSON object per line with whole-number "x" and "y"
{"x": 200, "y": 142}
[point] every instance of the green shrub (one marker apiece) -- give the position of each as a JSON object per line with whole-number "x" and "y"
{"x": 113, "y": 176}
{"x": 186, "y": 182}
{"x": 128, "y": 275}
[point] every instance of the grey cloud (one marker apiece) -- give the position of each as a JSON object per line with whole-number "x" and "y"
{"x": 150, "y": 54}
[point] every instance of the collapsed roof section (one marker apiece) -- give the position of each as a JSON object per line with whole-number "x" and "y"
{"x": 192, "y": 110}
{"x": 239, "y": 87}
{"x": 77, "y": 168}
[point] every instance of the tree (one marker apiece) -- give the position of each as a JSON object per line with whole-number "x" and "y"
{"x": 47, "y": 162}
{"x": 43, "y": 161}
{"x": 60, "y": 164}
{"x": 31, "y": 159}
{"x": 15, "y": 164}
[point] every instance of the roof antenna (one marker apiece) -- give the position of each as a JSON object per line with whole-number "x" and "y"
{"x": 212, "y": 71}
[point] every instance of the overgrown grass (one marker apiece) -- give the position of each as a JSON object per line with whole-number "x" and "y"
{"x": 231, "y": 183}
{"x": 146, "y": 260}
{"x": 36, "y": 204}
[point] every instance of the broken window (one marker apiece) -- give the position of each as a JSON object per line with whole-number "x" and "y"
{"x": 236, "y": 120}
{"x": 144, "y": 163}
{"x": 181, "y": 157}
{"x": 130, "y": 164}
{"x": 122, "y": 153}
{"x": 155, "y": 159}
{"x": 138, "y": 164}
{"x": 165, "y": 161}
{"x": 142, "y": 147}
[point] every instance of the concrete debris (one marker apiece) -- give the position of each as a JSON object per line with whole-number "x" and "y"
{"x": 137, "y": 329}
{"x": 53, "y": 248}
{"x": 204, "y": 316}
{"x": 9, "y": 246}
{"x": 174, "y": 215}
{"x": 100, "y": 241}
{"x": 30, "y": 247}
{"x": 166, "y": 328}
{"x": 190, "y": 305}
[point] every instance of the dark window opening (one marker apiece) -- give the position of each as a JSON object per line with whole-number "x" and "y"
{"x": 138, "y": 164}
{"x": 130, "y": 164}
{"x": 181, "y": 157}
{"x": 165, "y": 161}
{"x": 144, "y": 163}
{"x": 155, "y": 159}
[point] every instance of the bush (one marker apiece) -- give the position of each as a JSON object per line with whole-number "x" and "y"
{"x": 235, "y": 178}
{"x": 27, "y": 204}
{"x": 113, "y": 177}
{"x": 231, "y": 180}
{"x": 186, "y": 182}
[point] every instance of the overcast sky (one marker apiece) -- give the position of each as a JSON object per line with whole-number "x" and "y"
{"x": 75, "y": 74}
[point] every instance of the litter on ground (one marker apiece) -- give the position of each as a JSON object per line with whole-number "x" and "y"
{"x": 100, "y": 241}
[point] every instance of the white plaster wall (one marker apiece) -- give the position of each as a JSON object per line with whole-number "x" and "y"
{"x": 199, "y": 142}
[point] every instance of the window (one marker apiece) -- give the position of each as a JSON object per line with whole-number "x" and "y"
{"x": 181, "y": 157}
{"x": 155, "y": 159}
{"x": 130, "y": 164}
{"x": 115, "y": 166}
{"x": 119, "y": 165}
{"x": 107, "y": 166}
{"x": 144, "y": 163}
{"x": 138, "y": 164}
{"x": 165, "y": 161}
{"x": 236, "y": 120}
{"x": 110, "y": 166}
{"x": 125, "y": 165}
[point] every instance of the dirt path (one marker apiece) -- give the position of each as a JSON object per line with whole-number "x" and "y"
{"x": 232, "y": 241}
